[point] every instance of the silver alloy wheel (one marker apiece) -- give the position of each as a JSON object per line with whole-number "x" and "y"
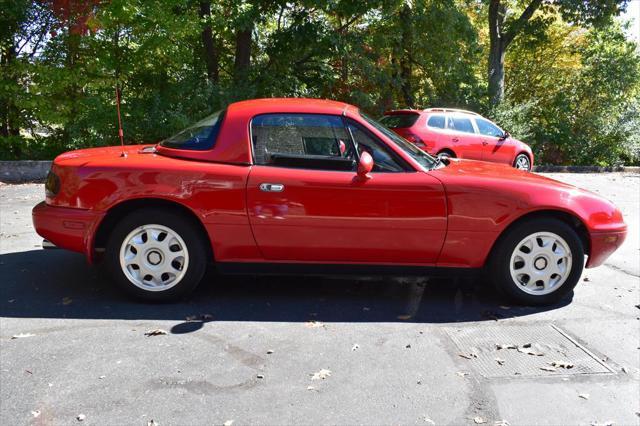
{"x": 154, "y": 257}
{"x": 523, "y": 163}
{"x": 541, "y": 263}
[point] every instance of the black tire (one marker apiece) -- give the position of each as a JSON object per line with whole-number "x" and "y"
{"x": 195, "y": 245}
{"x": 499, "y": 264}
{"x": 522, "y": 157}
{"x": 446, "y": 153}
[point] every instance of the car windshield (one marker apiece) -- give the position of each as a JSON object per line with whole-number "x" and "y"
{"x": 425, "y": 160}
{"x": 199, "y": 136}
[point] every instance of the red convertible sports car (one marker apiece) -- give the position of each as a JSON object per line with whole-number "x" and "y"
{"x": 313, "y": 186}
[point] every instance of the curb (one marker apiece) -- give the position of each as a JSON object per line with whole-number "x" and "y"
{"x": 36, "y": 171}
{"x": 24, "y": 171}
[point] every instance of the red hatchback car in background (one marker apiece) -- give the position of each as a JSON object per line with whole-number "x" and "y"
{"x": 459, "y": 133}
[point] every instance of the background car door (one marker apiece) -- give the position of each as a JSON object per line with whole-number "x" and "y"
{"x": 494, "y": 149}
{"x": 312, "y": 212}
{"x": 464, "y": 139}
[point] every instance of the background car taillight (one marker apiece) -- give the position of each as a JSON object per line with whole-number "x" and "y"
{"x": 52, "y": 184}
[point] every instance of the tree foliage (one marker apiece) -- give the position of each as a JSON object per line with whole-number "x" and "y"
{"x": 572, "y": 79}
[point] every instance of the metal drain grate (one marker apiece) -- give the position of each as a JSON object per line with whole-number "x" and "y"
{"x": 479, "y": 343}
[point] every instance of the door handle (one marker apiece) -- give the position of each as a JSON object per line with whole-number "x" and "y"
{"x": 455, "y": 140}
{"x": 485, "y": 143}
{"x": 271, "y": 187}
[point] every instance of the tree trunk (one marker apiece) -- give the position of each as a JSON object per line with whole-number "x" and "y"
{"x": 497, "y": 50}
{"x": 406, "y": 71}
{"x": 211, "y": 54}
{"x": 243, "y": 54}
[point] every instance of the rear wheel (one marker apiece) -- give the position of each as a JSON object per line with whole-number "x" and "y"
{"x": 522, "y": 162}
{"x": 538, "y": 262}
{"x": 156, "y": 255}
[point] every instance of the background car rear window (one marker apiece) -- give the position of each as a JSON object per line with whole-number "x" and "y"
{"x": 460, "y": 124}
{"x": 399, "y": 121}
{"x": 487, "y": 128}
{"x": 199, "y": 136}
{"x": 305, "y": 135}
{"x": 436, "y": 121}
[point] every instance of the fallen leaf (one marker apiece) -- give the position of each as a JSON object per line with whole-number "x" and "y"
{"x": 428, "y": 420}
{"x": 501, "y": 423}
{"x": 584, "y": 395}
{"x": 479, "y": 420}
{"x": 310, "y": 388}
{"x": 561, "y": 364}
{"x": 228, "y": 423}
{"x": 101, "y": 377}
{"x": 321, "y": 375}
{"x": 22, "y": 335}
{"x": 586, "y": 279}
{"x": 35, "y": 414}
{"x": 260, "y": 376}
{"x": 506, "y": 346}
{"x": 67, "y": 301}
{"x": 500, "y": 361}
{"x": 269, "y": 351}
{"x": 152, "y": 423}
{"x": 462, "y": 373}
{"x": 624, "y": 370}
{"x": 468, "y": 356}
{"x": 548, "y": 369}
{"x": 355, "y": 347}
{"x": 156, "y": 332}
{"x": 408, "y": 347}
{"x": 314, "y": 324}
{"x": 80, "y": 417}
{"x": 529, "y": 351}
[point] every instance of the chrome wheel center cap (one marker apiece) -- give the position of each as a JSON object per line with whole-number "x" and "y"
{"x": 540, "y": 263}
{"x": 154, "y": 258}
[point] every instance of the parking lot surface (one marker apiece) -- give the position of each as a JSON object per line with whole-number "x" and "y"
{"x": 296, "y": 350}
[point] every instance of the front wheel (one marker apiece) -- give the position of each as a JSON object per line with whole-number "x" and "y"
{"x": 156, "y": 255}
{"x": 522, "y": 162}
{"x": 538, "y": 262}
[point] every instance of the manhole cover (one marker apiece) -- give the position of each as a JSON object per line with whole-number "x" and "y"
{"x": 545, "y": 344}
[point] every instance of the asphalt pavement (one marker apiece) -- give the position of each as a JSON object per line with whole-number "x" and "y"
{"x": 294, "y": 350}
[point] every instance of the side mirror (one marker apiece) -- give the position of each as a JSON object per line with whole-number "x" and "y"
{"x": 505, "y": 135}
{"x": 365, "y": 165}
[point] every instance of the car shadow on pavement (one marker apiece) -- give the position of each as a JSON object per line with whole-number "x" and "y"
{"x": 60, "y": 284}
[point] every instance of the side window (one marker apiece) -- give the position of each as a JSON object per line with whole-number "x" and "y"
{"x": 487, "y": 128}
{"x": 302, "y": 141}
{"x": 383, "y": 159}
{"x": 436, "y": 121}
{"x": 460, "y": 124}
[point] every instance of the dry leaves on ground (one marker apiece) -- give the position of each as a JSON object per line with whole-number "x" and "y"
{"x": 156, "y": 332}
{"x": 321, "y": 375}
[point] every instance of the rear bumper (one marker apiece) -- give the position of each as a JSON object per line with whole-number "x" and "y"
{"x": 67, "y": 228}
{"x": 603, "y": 244}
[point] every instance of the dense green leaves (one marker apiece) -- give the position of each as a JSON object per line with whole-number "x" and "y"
{"x": 572, "y": 87}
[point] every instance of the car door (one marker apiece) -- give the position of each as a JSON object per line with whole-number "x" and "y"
{"x": 496, "y": 148}
{"x": 465, "y": 141}
{"x": 306, "y": 207}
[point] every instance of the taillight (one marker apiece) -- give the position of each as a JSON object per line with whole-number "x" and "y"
{"x": 52, "y": 184}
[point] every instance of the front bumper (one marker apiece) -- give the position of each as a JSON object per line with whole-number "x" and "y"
{"x": 67, "y": 228}
{"x": 603, "y": 244}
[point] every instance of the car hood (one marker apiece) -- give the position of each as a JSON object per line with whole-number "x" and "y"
{"x": 512, "y": 192}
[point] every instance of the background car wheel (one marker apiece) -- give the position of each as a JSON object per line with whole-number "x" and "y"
{"x": 538, "y": 262}
{"x": 522, "y": 162}
{"x": 445, "y": 153}
{"x": 156, "y": 255}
